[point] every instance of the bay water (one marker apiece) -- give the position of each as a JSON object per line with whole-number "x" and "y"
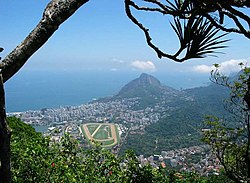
{"x": 34, "y": 89}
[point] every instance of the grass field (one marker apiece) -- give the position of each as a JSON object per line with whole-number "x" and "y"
{"x": 92, "y": 128}
{"x": 104, "y": 133}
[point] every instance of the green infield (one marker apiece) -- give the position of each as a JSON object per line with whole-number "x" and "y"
{"x": 104, "y": 133}
{"x": 92, "y": 128}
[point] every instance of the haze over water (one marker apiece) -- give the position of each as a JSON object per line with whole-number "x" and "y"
{"x": 33, "y": 90}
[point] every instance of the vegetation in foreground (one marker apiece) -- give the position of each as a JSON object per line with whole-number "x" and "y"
{"x": 229, "y": 136}
{"x": 35, "y": 159}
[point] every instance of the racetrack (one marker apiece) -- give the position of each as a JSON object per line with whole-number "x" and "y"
{"x": 113, "y": 138}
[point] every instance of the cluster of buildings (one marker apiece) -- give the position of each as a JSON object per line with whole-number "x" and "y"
{"x": 57, "y": 131}
{"x": 192, "y": 159}
{"x": 118, "y": 111}
{"x": 122, "y": 112}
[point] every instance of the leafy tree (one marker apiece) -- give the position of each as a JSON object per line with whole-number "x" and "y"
{"x": 229, "y": 137}
{"x": 195, "y": 23}
{"x": 36, "y": 159}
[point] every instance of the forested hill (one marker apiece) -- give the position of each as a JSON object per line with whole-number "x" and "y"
{"x": 181, "y": 126}
{"x": 210, "y": 99}
{"x": 145, "y": 86}
{"x": 149, "y": 92}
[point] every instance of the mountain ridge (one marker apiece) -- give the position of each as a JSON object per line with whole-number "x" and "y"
{"x": 145, "y": 82}
{"x": 182, "y": 113}
{"x": 149, "y": 91}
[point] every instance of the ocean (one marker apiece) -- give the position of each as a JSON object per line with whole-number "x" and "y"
{"x": 33, "y": 90}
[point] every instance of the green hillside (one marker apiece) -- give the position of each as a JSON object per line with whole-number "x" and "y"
{"x": 182, "y": 127}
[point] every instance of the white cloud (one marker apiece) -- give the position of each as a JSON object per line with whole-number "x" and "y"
{"x": 203, "y": 68}
{"x": 226, "y": 67}
{"x": 144, "y": 66}
{"x": 114, "y": 69}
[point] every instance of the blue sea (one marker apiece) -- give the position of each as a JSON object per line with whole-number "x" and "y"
{"x": 33, "y": 90}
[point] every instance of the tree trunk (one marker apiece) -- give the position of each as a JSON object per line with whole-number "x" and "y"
{"x": 5, "y": 134}
{"x": 56, "y": 12}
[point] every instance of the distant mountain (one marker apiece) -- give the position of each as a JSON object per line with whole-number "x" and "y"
{"x": 145, "y": 84}
{"x": 181, "y": 126}
{"x": 148, "y": 90}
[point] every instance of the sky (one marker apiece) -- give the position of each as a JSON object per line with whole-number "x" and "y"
{"x": 100, "y": 37}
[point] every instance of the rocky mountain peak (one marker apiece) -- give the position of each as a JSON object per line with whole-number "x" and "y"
{"x": 146, "y": 79}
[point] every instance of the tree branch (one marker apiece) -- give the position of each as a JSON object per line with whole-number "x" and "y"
{"x": 160, "y": 54}
{"x": 148, "y": 8}
{"x": 197, "y": 38}
{"x": 237, "y": 13}
{"x": 238, "y": 24}
{"x": 56, "y": 12}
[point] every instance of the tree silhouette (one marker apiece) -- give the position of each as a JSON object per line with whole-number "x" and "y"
{"x": 196, "y": 23}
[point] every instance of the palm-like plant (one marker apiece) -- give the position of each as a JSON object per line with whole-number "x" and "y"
{"x": 198, "y": 37}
